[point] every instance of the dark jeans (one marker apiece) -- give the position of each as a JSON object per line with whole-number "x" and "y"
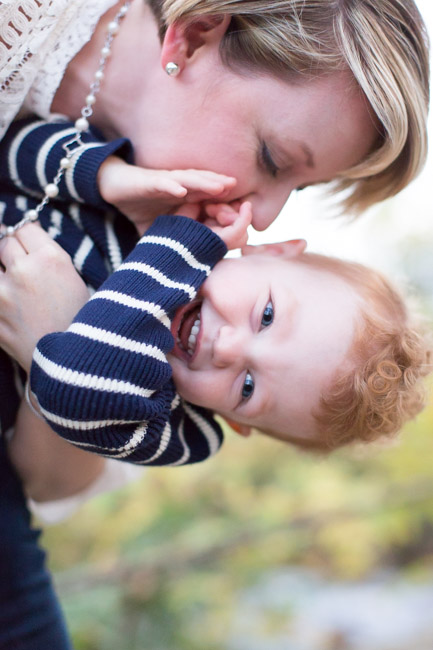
{"x": 30, "y": 616}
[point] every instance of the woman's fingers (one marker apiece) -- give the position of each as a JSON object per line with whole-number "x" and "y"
{"x": 32, "y": 237}
{"x": 11, "y": 250}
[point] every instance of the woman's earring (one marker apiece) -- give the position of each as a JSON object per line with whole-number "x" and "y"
{"x": 172, "y": 69}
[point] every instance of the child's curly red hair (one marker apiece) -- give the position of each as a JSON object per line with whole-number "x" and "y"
{"x": 380, "y": 386}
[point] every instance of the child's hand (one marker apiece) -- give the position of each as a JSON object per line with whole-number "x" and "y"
{"x": 40, "y": 291}
{"x": 229, "y": 221}
{"x": 142, "y": 194}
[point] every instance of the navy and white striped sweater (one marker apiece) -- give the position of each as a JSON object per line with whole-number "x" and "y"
{"x": 105, "y": 384}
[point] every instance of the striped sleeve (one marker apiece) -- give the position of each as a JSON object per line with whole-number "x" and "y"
{"x": 105, "y": 384}
{"x": 31, "y": 151}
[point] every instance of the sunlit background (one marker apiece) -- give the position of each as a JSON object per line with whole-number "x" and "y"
{"x": 263, "y": 547}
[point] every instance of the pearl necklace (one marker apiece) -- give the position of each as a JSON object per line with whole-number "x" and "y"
{"x": 81, "y": 125}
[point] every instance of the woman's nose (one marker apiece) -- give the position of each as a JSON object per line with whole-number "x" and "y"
{"x": 266, "y": 208}
{"x": 228, "y": 347}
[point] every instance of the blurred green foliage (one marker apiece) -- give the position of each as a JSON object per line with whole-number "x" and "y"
{"x": 159, "y": 564}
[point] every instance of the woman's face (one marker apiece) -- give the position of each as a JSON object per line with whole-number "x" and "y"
{"x": 271, "y": 135}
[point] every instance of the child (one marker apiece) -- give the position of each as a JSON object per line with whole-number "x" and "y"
{"x": 306, "y": 348}
{"x": 309, "y": 349}
{"x": 342, "y": 346}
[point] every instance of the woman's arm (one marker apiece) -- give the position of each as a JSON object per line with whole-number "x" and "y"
{"x": 49, "y": 467}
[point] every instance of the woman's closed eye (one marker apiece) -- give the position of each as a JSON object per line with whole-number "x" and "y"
{"x": 267, "y": 161}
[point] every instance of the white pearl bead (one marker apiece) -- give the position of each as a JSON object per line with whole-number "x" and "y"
{"x": 10, "y": 230}
{"x": 105, "y": 52}
{"x": 123, "y": 10}
{"x": 113, "y": 27}
{"x": 81, "y": 124}
{"x": 90, "y": 99}
{"x": 51, "y": 190}
{"x": 65, "y": 163}
{"x": 31, "y": 214}
{"x": 99, "y": 75}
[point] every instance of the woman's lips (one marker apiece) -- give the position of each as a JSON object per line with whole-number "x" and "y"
{"x": 186, "y": 329}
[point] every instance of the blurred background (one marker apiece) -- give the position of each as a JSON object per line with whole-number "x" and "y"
{"x": 264, "y": 547}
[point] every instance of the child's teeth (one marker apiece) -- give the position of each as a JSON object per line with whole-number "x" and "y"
{"x": 192, "y": 340}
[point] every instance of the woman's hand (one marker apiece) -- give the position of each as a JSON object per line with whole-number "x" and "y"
{"x": 141, "y": 194}
{"x": 40, "y": 291}
{"x": 229, "y": 221}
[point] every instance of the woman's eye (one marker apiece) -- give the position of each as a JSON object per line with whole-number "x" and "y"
{"x": 268, "y": 315}
{"x": 267, "y": 161}
{"x": 248, "y": 387}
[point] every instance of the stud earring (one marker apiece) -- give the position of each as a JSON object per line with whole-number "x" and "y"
{"x": 172, "y": 69}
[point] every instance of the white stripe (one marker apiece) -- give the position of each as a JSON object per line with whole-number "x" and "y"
{"x": 179, "y": 248}
{"x": 205, "y": 428}
{"x": 74, "y": 213}
{"x": 186, "y": 450}
{"x": 159, "y": 277}
{"x": 135, "y": 440}
{"x": 163, "y": 444}
{"x": 84, "y": 380}
{"x": 80, "y": 425}
{"x": 119, "y": 452}
{"x": 129, "y": 301}
{"x": 114, "y": 252}
{"x": 41, "y": 159}
{"x": 21, "y": 202}
{"x": 83, "y": 251}
{"x": 69, "y": 175}
{"x": 117, "y": 341}
{"x": 55, "y": 228}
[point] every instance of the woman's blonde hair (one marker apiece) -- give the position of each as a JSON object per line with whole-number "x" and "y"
{"x": 383, "y": 42}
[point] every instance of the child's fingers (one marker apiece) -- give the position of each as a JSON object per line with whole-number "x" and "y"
{"x": 190, "y": 210}
{"x": 237, "y": 233}
{"x": 222, "y": 212}
{"x": 166, "y": 185}
{"x": 204, "y": 181}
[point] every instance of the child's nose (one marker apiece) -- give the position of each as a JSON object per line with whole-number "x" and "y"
{"x": 228, "y": 346}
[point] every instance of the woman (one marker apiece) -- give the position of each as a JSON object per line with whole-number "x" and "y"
{"x": 279, "y": 95}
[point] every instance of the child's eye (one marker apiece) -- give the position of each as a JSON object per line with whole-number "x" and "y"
{"x": 248, "y": 387}
{"x": 268, "y": 315}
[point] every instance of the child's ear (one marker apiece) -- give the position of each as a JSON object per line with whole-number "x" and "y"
{"x": 241, "y": 429}
{"x": 183, "y": 38}
{"x": 287, "y": 249}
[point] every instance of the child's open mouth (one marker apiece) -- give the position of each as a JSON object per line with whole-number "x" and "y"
{"x": 186, "y": 328}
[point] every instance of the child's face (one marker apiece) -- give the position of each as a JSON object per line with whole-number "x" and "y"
{"x": 271, "y": 334}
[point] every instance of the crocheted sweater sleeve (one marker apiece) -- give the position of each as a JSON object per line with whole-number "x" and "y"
{"x": 105, "y": 384}
{"x": 31, "y": 151}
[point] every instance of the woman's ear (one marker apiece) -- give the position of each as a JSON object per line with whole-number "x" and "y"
{"x": 287, "y": 249}
{"x": 183, "y": 38}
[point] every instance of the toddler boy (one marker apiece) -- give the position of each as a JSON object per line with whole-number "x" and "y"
{"x": 309, "y": 349}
